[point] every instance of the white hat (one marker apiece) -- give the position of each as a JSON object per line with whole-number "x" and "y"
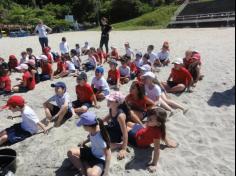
{"x": 149, "y": 75}
{"x": 178, "y": 61}
{"x": 146, "y": 68}
{"x": 22, "y": 67}
{"x": 43, "y": 58}
{"x": 113, "y": 46}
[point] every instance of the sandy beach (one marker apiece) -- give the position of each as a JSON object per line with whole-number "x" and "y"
{"x": 206, "y": 133}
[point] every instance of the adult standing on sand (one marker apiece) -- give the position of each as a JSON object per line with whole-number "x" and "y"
{"x": 42, "y": 30}
{"x": 106, "y": 29}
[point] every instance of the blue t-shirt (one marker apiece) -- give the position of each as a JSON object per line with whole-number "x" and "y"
{"x": 98, "y": 145}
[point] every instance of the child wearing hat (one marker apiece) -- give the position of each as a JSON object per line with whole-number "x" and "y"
{"x": 28, "y": 126}
{"x": 12, "y": 63}
{"x": 94, "y": 160}
{"x": 124, "y": 71}
{"x": 85, "y": 95}
{"x": 27, "y": 82}
{"x": 164, "y": 54}
{"x": 46, "y": 67}
{"x": 100, "y": 85}
{"x": 113, "y": 75}
{"x": 63, "y": 108}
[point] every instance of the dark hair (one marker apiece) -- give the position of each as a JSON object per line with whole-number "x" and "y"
{"x": 161, "y": 116}
{"x": 151, "y": 47}
{"x": 29, "y": 50}
{"x": 104, "y": 132}
{"x": 63, "y": 39}
{"x": 104, "y": 19}
{"x": 127, "y": 110}
{"x": 146, "y": 56}
{"x": 140, "y": 87}
{"x": 73, "y": 51}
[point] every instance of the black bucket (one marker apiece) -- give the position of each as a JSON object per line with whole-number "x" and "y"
{"x": 7, "y": 161}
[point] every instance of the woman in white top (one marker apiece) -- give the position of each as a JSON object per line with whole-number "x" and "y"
{"x": 156, "y": 93}
{"x": 42, "y": 32}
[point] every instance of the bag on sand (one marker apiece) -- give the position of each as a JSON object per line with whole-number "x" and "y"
{"x": 7, "y": 162}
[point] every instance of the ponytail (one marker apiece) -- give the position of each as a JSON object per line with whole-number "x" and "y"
{"x": 104, "y": 133}
{"x": 126, "y": 108}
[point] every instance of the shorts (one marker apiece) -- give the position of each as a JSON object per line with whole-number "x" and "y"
{"x": 132, "y": 134}
{"x": 171, "y": 84}
{"x": 114, "y": 133}
{"x": 78, "y": 104}
{"x": 112, "y": 82}
{"x": 89, "y": 66}
{"x": 105, "y": 92}
{"x": 56, "y": 109}
{"x": 3, "y": 92}
{"x": 86, "y": 155}
{"x": 44, "y": 77}
{"x": 133, "y": 76}
{"x": 16, "y": 134}
{"x": 23, "y": 89}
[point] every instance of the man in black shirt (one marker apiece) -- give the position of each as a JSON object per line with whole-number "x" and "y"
{"x": 106, "y": 29}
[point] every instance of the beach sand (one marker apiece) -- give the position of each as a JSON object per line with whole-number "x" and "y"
{"x": 206, "y": 133}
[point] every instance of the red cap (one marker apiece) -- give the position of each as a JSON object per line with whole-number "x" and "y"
{"x": 46, "y": 49}
{"x": 12, "y": 57}
{"x": 14, "y": 101}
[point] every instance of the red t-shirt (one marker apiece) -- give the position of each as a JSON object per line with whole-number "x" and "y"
{"x": 30, "y": 80}
{"x": 139, "y": 104}
{"x": 97, "y": 57}
{"x": 114, "y": 75}
{"x": 181, "y": 76}
{"x": 47, "y": 69}
{"x": 133, "y": 67}
{"x": 115, "y": 55}
{"x": 50, "y": 59}
{"x": 84, "y": 93}
{"x": 5, "y": 83}
{"x": 61, "y": 66}
{"x": 146, "y": 136}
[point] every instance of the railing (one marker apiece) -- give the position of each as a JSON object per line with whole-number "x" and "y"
{"x": 206, "y": 16}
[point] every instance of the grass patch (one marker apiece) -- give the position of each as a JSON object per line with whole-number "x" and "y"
{"x": 157, "y": 19}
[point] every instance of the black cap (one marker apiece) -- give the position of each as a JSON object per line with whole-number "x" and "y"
{"x": 82, "y": 76}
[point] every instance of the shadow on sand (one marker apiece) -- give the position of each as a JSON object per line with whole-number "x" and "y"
{"x": 66, "y": 169}
{"x": 226, "y": 98}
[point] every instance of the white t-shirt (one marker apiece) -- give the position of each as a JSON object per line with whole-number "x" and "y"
{"x": 64, "y": 48}
{"x": 29, "y": 120}
{"x": 42, "y": 30}
{"x": 60, "y": 101}
{"x": 153, "y": 93}
{"x": 24, "y": 60}
{"x": 85, "y": 48}
{"x": 92, "y": 61}
{"x": 163, "y": 56}
{"x": 70, "y": 65}
{"x": 100, "y": 84}
{"x": 138, "y": 63}
{"x": 153, "y": 57}
{"x": 129, "y": 52}
{"x": 98, "y": 145}
{"x": 78, "y": 51}
{"x": 76, "y": 62}
{"x": 124, "y": 71}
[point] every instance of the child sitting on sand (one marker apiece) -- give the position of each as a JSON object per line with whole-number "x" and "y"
{"x": 94, "y": 160}
{"x": 12, "y": 63}
{"x": 138, "y": 59}
{"x": 192, "y": 62}
{"x": 61, "y": 70}
{"x": 30, "y": 54}
{"x": 64, "y": 47}
{"x": 133, "y": 68}
{"x": 179, "y": 80}
{"x": 95, "y": 54}
{"x": 24, "y": 58}
{"x": 85, "y": 95}
{"x": 119, "y": 114}
{"x": 25, "y": 129}
{"x": 153, "y": 59}
{"x": 47, "y": 52}
{"x": 47, "y": 71}
{"x": 63, "y": 108}
{"x": 85, "y": 49}
{"x": 78, "y": 50}
{"x": 27, "y": 82}
{"x": 146, "y": 60}
{"x": 5, "y": 82}
{"x": 114, "y": 53}
{"x": 164, "y": 55}
{"x": 128, "y": 51}
{"x": 124, "y": 71}
{"x": 154, "y": 91}
{"x": 102, "y": 55}
{"x": 75, "y": 59}
{"x": 138, "y": 101}
{"x": 113, "y": 75}
{"x": 33, "y": 70}
{"x": 91, "y": 64}
{"x": 100, "y": 85}
{"x": 153, "y": 133}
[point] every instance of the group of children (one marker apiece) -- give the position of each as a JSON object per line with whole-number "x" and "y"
{"x": 137, "y": 119}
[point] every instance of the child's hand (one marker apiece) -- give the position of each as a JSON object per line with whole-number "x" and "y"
{"x": 122, "y": 154}
{"x": 152, "y": 169}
